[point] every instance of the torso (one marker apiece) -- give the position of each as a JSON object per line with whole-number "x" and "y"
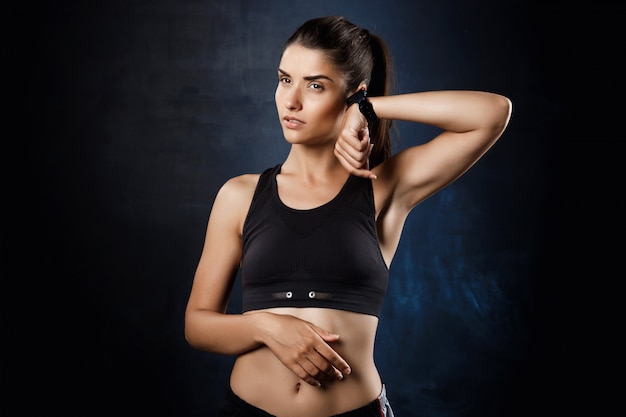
{"x": 262, "y": 380}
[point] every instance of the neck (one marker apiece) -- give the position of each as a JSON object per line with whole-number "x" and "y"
{"x": 312, "y": 164}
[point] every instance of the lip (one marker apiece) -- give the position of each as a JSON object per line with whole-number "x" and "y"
{"x": 291, "y": 122}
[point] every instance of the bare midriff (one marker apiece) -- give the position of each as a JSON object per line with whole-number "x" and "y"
{"x": 260, "y": 379}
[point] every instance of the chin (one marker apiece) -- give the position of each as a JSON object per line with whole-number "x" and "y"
{"x": 293, "y": 137}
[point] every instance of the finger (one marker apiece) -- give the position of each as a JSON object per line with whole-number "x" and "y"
{"x": 365, "y": 138}
{"x": 323, "y": 368}
{"x": 316, "y": 368}
{"x": 306, "y": 375}
{"x": 356, "y": 158}
{"x": 359, "y": 141}
{"x": 306, "y": 370}
{"x": 365, "y": 173}
{"x": 351, "y": 158}
{"x": 313, "y": 367}
{"x": 329, "y": 355}
{"x": 332, "y": 363}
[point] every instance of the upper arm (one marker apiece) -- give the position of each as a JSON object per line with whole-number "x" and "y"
{"x": 221, "y": 253}
{"x": 414, "y": 174}
{"x": 420, "y": 171}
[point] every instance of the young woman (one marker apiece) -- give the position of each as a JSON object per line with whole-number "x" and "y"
{"x": 315, "y": 235}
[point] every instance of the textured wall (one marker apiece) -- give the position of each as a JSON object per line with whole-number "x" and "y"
{"x": 147, "y": 107}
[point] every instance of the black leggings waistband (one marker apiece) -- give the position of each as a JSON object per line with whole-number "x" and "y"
{"x": 233, "y": 406}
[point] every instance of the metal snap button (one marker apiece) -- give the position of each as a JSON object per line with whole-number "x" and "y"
{"x": 288, "y": 294}
{"x": 312, "y": 294}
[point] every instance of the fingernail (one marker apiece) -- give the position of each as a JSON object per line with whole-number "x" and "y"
{"x": 347, "y": 371}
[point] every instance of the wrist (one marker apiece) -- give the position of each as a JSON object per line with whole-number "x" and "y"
{"x": 365, "y": 106}
{"x": 264, "y": 326}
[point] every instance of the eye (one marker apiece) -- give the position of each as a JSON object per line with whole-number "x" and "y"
{"x": 284, "y": 80}
{"x": 316, "y": 86}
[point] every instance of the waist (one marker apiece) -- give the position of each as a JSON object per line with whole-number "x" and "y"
{"x": 259, "y": 378}
{"x": 378, "y": 407}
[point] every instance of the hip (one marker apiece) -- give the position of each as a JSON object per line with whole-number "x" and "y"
{"x": 234, "y": 406}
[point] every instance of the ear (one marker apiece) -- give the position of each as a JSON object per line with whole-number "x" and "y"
{"x": 361, "y": 86}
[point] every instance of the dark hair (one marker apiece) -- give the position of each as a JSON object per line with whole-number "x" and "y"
{"x": 362, "y": 57}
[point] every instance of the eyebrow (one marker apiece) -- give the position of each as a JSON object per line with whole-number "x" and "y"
{"x": 308, "y": 78}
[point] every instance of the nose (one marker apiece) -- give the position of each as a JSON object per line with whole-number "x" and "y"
{"x": 292, "y": 99}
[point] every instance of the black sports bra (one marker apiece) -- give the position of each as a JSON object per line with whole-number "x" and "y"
{"x": 326, "y": 257}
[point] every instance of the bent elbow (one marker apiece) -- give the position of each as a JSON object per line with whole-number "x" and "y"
{"x": 189, "y": 337}
{"x": 191, "y": 333}
{"x": 503, "y": 111}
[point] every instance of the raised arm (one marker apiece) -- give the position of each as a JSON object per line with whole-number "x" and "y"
{"x": 470, "y": 122}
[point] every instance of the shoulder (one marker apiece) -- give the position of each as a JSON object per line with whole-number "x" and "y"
{"x": 232, "y": 202}
{"x": 239, "y": 189}
{"x": 244, "y": 186}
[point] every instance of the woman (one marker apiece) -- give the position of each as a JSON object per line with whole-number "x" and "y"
{"x": 315, "y": 236}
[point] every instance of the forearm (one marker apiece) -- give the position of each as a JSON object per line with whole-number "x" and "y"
{"x": 455, "y": 111}
{"x": 228, "y": 334}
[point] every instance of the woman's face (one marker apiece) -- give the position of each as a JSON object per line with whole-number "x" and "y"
{"x": 310, "y": 97}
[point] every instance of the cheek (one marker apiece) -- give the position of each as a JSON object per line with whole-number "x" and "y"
{"x": 277, "y": 96}
{"x": 332, "y": 116}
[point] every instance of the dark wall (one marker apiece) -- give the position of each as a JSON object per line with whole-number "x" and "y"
{"x": 144, "y": 108}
